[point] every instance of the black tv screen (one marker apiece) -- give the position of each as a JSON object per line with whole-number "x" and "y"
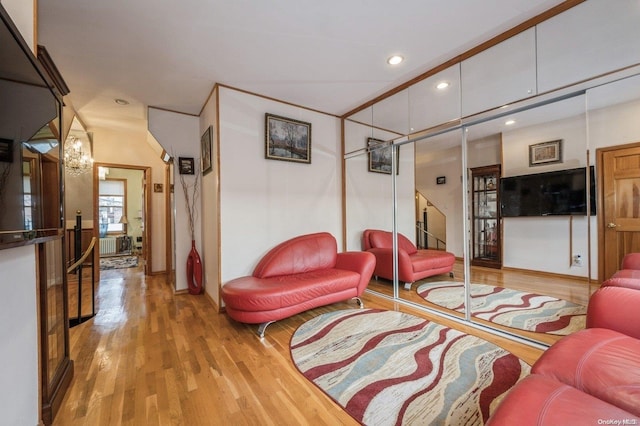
{"x": 555, "y": 193}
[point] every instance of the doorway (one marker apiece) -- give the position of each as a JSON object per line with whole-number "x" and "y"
{"x": 619, "y": 201}
{"x": 122, "y": 212}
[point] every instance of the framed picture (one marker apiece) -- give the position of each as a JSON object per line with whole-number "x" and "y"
{"x": 287, "y": 139}
{"x": 380, "y": 159}
{"x": 6, "y": 150}
{"x": 205, "y": 149}
{"x": 186, "y": 166}
{"x": 157, "y": 187}
{"x": 441, "y": 180}
{"x": 545, "y": 153}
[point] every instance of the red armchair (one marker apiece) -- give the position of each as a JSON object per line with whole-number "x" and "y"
{"x": 589, "y": 377}
{"x": 297, "y": 275}
{"x": 413, "y": 264}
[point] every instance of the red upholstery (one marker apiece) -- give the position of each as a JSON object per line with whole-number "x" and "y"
{"x": 629, "y": 273}
{"x": 590, "y": 376}
{"x": 298, "y": 255}
{"x": 625, "y": 278}
{"x": 631, "y": 261}
{"x": 615, "y": 308}
{"x": 537, "y": 400}
{"x": 413, "y": 264}
{"x": 299, "y": 274}
{"x": 579, "y": 362}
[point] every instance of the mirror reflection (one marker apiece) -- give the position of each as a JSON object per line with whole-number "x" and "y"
{"x": 532, "y": 233}
{"x": 614, "y": 140}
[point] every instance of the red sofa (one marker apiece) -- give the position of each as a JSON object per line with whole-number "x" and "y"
{"x": 413, "y": 264}
{"x": 299, "y": 274}
{"x": 589, "y": 377}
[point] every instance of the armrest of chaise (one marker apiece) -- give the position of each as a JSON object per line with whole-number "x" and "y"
{"x": 360, "y": 262}
{"x": 384, "y": 258}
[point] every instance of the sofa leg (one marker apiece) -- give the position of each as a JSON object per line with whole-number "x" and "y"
{"x": 262, "y": 327}
{"x": 359, "y": 302}
{"x": 407, "y": 286}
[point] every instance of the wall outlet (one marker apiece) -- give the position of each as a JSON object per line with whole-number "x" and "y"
{"x": 577, "y": 260}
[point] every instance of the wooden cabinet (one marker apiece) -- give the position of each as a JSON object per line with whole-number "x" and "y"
{"x": 592, "y": 38}
{"x": 500, "y": 75}
{"x": 485, "y": 216}
{"x": 55, "y": 362}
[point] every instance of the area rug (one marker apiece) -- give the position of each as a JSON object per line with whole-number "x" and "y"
{"x": 508, "y": 307}
{"x": 118, "y": 262}
{"x": 388, "y": 368}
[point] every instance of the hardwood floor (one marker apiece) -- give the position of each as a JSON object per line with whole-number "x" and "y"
{"x": 151, "y": 357}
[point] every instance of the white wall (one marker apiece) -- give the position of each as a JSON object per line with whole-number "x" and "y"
{"x": 264, "y": 202}
{"x": 23, "y": 15}
{"x": 432, "y": 162}
{"x": 178, "y": 135}
{"x": 545, "y": 243}
{"x": 19, "y": 336}
{"x": 369, "y": 202}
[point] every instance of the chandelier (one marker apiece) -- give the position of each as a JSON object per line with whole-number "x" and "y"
{"x": 76, "y": 162}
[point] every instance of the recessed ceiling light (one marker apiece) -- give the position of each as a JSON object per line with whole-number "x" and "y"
{"x": 510, "y": 122}
{"x": 395, "y": 60}
{"x": 122, "y": 101}
{"x": 442, "y": 85}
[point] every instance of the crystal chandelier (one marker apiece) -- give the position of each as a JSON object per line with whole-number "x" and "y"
{"x": 76, "y": 162}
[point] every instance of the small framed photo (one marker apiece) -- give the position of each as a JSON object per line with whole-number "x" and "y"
{"x": 157, "y": 187}
{"x": 6, "y": 150}
{"x": 441, "y": 180}
{"x": 545, "y": 153}
{"x": 205, "y": 148}
{"x": 380, "y": 158}
{"x": 287, "y": 139}
{"x": 186, "y": 165}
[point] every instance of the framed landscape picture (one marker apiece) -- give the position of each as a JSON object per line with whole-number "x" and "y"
{"x": 287, "y": 139}
{"x": 205, "y": 150}
{"x": 186, "y": 166}
{"x": 380, "y": 159}
{"x": 545, "y": 153}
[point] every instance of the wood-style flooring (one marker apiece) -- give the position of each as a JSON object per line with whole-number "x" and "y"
{"x": 152, "y": 357}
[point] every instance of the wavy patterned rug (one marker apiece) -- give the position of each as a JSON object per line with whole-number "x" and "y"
{"x": 511, "y": 308}
{"x": 387, "y": 368}
{"x": 118, "y": 262}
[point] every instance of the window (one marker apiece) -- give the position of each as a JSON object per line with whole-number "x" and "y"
{"x": 111, "y": 206}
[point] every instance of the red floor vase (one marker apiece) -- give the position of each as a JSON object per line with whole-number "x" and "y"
{"x": 194, "y": 270}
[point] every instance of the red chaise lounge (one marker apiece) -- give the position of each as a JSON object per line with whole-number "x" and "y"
{"x": 299, "y": 274}
{"x": 413, "y": 264}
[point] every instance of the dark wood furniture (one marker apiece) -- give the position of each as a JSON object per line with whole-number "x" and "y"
{"x": 485, "y": 217}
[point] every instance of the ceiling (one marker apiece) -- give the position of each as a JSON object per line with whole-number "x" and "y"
{"x": 327, "y": 55}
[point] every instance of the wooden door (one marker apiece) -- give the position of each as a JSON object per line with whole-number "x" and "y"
{"x": 619, "y": 206}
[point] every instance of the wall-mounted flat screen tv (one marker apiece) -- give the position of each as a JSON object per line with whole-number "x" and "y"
{"x": 561, "y": 192}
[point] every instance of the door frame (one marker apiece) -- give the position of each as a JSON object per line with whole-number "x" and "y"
{"x": 600, "y": 201}
{"x": 146, "y": 171}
